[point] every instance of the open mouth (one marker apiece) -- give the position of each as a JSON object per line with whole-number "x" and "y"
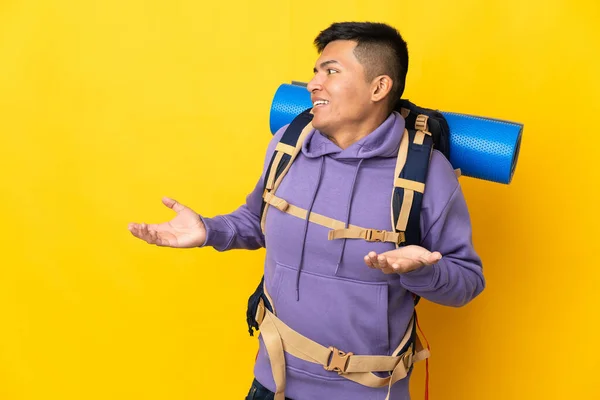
{"x": 320, "y": 103}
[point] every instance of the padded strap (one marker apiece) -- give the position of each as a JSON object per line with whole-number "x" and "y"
{"x": 282, "y": 148}
{"x": 272, "y": 171}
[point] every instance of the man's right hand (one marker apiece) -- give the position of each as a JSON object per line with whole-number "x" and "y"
{"x": 185, "y": 230}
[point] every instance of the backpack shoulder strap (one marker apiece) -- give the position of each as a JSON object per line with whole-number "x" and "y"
{"x": 285, "y": 152}
{"x": 410, "y": 174}
{"x": 412, "y": 165}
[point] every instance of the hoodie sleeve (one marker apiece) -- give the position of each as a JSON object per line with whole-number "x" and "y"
{"x": 446, "y": 226}
{"x": 241, "y": 228}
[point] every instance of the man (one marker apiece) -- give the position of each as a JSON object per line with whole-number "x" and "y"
{"x": 320, "y": 288}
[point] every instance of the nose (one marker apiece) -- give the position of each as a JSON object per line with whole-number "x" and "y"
{"x": 314, "y": 83}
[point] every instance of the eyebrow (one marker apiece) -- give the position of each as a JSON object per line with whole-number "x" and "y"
{"x": 326, "y": 63}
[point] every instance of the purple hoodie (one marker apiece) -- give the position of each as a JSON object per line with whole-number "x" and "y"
{"x": 321, "y": 288}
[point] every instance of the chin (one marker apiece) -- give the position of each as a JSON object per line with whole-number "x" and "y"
{"x": 318, "y": 124}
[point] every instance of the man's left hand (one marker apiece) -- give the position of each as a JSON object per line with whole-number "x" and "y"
{"x": 403, "y": 259}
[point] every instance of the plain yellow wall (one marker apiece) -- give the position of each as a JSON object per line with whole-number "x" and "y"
{"x": 106, "y": 106}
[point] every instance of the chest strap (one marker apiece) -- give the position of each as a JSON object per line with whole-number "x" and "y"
{"x": 279, "y": 338}
{"x": 338, "y": 228}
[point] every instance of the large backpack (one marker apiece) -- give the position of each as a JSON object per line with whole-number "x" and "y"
{"x": 426, "y": 129}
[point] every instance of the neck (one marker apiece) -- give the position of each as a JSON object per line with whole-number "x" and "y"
{"x": 346, "y": 136}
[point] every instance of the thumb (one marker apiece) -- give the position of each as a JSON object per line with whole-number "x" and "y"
{"x": 431, "y": 258}
{"x": 173, "y": 204}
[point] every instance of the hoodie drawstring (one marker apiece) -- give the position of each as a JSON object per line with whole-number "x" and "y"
{"x": 312, "y": 202}
{"x": 348, "y": 208}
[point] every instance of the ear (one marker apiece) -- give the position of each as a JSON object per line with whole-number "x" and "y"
{"x": 381, "y": 86}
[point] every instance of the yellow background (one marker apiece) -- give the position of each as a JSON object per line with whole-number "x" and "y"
{"x": 106, "y": 106}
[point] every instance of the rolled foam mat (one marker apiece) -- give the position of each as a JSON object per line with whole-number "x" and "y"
{"x": 483, "y": 148}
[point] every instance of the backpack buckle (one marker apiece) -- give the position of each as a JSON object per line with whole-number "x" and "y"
{"x": 421, "y": 122}
{"x": 407, "y": 358}
{"x": 375, "y": 235}
{"x": 337, "y": 360}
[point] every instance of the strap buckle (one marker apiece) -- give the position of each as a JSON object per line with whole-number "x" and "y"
{"x": 337, "y": 360}
{"x": 407, "y": 358}
{"x": 375, "y": 235}
{"x": 421, "y": 122}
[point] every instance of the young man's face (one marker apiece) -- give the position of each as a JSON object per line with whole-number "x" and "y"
{"x": 340, "y": 94}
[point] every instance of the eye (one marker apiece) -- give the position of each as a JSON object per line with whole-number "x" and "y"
{"x": 331, "y": 71}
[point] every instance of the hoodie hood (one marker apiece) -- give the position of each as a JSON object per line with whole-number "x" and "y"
{"x": 384, "y": 141}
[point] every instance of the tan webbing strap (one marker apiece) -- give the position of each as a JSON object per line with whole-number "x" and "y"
{"x": 405, "y": 210}
{"x": 408, "y": 184}
{"x": 421, "y": 353}
{"x": 404, "y": 112}
{"x": 338, "y": 230}
{"x": 271, "y": 179}
{"x": 299, "y": 212}
{"x": 285, "y": 148}
{"x": 274, "y": 347}
{"x": 307, "y": 129}
{"x": 260, "y": 312}
{"x": 370, "y": 235}
{"x": 419, "y": 137}
{"x": 275, "y": 201}
{"x": 400, "y": 162}
{"x": 406, "y": 337}
{"x": 261, "y": 309}
{"x": 353, "y": 367}
{"x": 402, "y": 153}
{"x": 458, "y": 172}
{"x": 268, "y": 298}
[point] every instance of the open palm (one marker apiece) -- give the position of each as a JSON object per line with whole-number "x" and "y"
{"x": 403, "y": 259}
{"x": 185, "y": 230}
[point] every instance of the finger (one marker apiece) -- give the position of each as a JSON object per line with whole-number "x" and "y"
{"x": 173, "y": 204}
{"x": 154, "y": 239}
{"x": 430, "y": 258}
{"x": 435, "y": 257}
{"x": 383, "y": 262}
{"x": 379, "y": 261}
{"x": 150, "y": 236}
{"x": 389, "y": 270}
{"x": 144, "y": 234}
{"x": 402, "y": 265}
{"x": 368, "y": 262}
{"x": 136, "y": 230}
{"x": 373, "y": 258}
{"x": 133, "y": 228}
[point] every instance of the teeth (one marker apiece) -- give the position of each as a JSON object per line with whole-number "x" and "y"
{"x": 319, "y": 102}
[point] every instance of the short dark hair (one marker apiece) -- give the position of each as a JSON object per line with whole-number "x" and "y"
{"x": 380, "y": 49}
